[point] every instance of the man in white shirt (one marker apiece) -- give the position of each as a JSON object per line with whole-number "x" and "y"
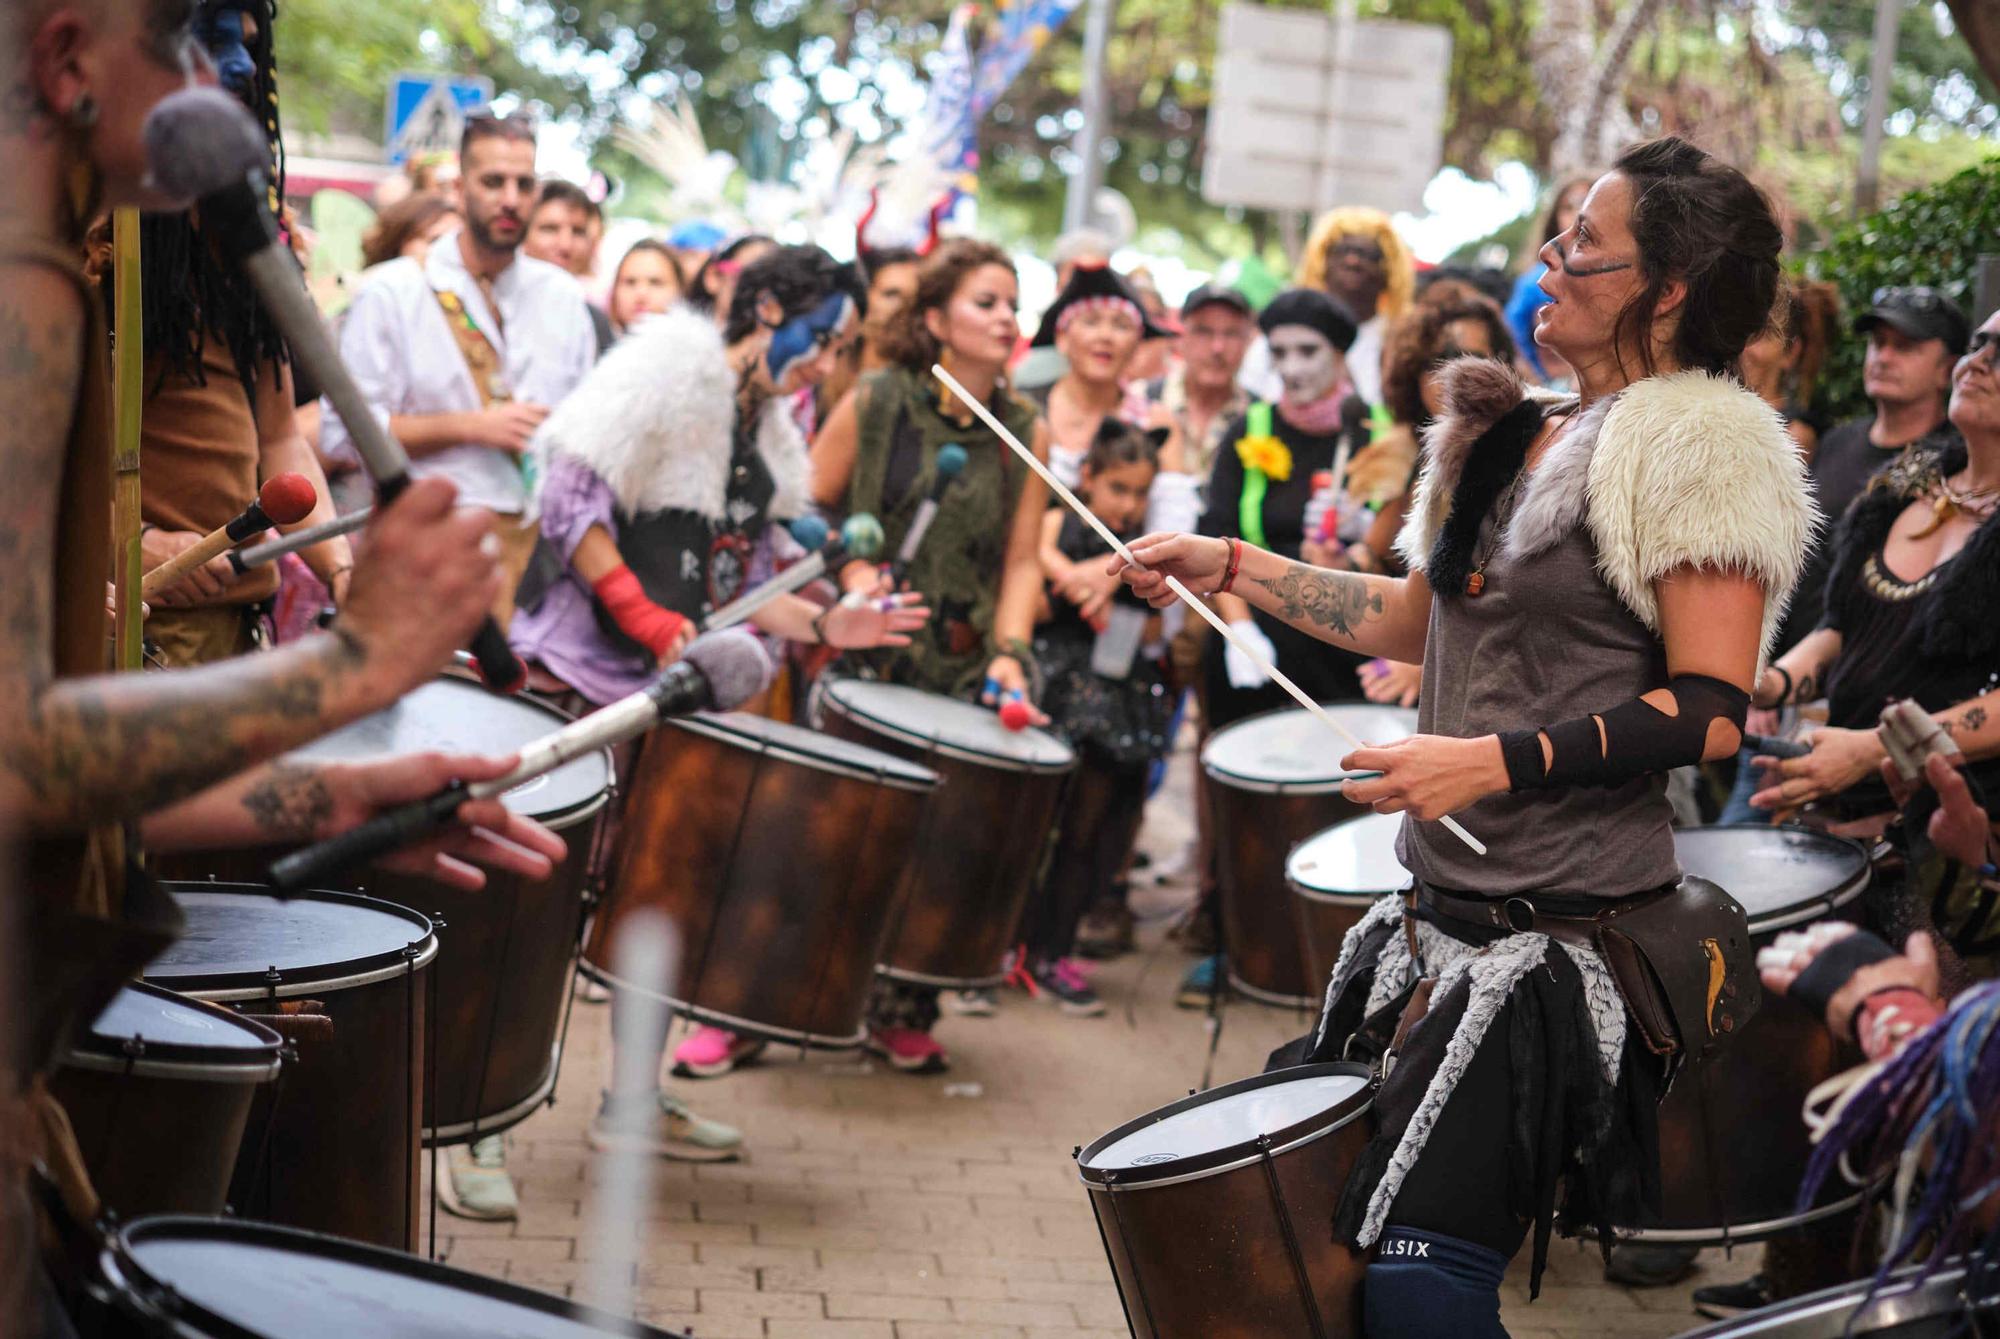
{"x": 464, "y": 354}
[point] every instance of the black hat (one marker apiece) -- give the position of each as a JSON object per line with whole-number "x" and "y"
{"x": 1087, "y": 282}
{"x": 1216, "y": 295}
{"x": 1312, "y": 308}
{"x": 1920, "y": 312}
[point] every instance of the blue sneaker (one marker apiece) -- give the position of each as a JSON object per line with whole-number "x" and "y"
{"x": 1202, "y": 981}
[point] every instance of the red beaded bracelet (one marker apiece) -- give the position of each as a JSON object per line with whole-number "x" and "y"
{"x": 1235, "y": 563}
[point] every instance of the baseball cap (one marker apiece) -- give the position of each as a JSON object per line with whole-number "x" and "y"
{"x": 1211, "y": 295}
{"x": 1918, "y": 311}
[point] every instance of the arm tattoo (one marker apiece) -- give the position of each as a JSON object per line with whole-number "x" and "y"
{"x": 292, "y": 802}
{"x": 1337, "y": 600}
{"x": 1807, "y": 689}
{"x": 1968, "y": 722}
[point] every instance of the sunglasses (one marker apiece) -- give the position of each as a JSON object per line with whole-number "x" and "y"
{"x": 1912, "y": 297}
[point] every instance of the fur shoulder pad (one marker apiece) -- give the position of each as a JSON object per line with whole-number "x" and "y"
{"x": 1693, "y": 470}
{"x": 654, "y": 418}
{"x": 1477, "y": 393}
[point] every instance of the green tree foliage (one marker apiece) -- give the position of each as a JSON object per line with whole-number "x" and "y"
{"x": 1932, "y": 236}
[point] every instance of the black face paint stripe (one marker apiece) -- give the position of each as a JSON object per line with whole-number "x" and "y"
{"x": 1562, "y": 254}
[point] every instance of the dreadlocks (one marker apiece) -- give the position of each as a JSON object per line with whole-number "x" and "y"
{"x": 189, "y": 293}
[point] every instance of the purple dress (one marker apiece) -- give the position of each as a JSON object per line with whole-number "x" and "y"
{"x": 561, "y": 633}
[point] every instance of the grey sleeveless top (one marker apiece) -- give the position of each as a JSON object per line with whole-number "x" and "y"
{"x": 1546, "y": 640}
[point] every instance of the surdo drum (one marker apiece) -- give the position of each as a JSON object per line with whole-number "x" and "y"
{"x": 776, "y": 851}
{"x": 984, "y": 832}
{"x": 159, "y": 1090}
{"x": 1274, "y": 780}
{"x": 1335, "y": 876}
{"x": 1733, "y": 1147}
{"x": 1214, "y": 1209}
{"x": 217, "y": 1278}
{"x": 345, "y": 980}
{"x": 510, "y": 947}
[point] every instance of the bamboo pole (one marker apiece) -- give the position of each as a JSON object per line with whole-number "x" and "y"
{"x": 128, "y": 395}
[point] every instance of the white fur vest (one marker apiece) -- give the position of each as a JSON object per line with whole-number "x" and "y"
{"x": 1689, "y": 469}
{"x": 654, "y": 420}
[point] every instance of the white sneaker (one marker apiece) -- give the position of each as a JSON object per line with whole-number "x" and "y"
{"x": 476, "y": 1184}
{"x": 970, "y": 1003}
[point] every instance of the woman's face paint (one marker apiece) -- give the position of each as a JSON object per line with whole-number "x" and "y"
{"x": 798, "y": 342}
{"x": 222, "y": 33}
{"x": 1307, "y": 364}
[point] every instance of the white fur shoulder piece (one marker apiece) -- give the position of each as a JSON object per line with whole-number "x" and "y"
{"x": 1693, "y": 470}
{"x": 655, "y": 417}
{"x": 783, "y": 448}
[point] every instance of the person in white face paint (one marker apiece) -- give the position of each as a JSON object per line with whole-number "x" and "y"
{"x": 1272, "y": 462}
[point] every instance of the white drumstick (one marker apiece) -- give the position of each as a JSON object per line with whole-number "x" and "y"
{"x": 1173, "y": 583}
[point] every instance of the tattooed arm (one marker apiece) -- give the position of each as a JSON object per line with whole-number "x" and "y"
{"x": 1974, "y": 725}
{"x": 79, "y": 751}
{"x": 288, "y": 803}
{"x": 1808, "y": 664}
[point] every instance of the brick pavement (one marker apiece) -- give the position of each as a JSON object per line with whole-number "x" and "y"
{"x": 877, "y": 1205}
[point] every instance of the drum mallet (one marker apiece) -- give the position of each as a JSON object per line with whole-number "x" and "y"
{"x": 1770, "y": 746}
{"x": 285, "y": 499}
{"x": 951, "y": 461}
{"x": 273, "y": 549}
{"x": 201, "y": 145}
{"x": 1173, "y": 583}
{"x": 718, "y": 673}
{"x": 859, "y": 537}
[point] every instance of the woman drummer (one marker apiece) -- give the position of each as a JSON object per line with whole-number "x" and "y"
{"x": 659, "y": 477}
{"x": 978, "y": 567}
{"x": 1624, "y": 554}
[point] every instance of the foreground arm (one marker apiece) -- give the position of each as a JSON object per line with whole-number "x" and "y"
{"x": 75, "y": 752}
{"x": 289, "y": 803}
{"x": 1021, "y": 576}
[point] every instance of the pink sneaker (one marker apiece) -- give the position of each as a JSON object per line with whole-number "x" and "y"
{"x": 712, "y": 1052}
{"x": 909, "y": 1050}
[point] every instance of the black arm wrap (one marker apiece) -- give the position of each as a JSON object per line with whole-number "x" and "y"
{"x": 1636, "y": 738}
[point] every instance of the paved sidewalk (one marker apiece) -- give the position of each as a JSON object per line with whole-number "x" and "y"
{"x": 881, "y": 1206}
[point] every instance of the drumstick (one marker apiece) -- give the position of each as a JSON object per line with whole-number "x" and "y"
{"x": 273, "y": 549}
{"x": 283, "y": 500}
{"x": 858, "y": 538}
{"x": 1187, "y": 597}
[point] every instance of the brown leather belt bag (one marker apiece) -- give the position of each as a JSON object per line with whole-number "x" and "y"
{"x": 1680, "y": 955}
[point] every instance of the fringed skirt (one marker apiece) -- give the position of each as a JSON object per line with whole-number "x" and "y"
{"x": 1582, "y": 1137}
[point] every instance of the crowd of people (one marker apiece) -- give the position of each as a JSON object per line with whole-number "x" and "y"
{"x": 1601, "y": 494}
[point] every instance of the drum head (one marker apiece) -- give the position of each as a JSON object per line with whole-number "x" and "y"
{"x": 1290, "y": 751}
{"x": 1218, "y": 1129}
{"x": 237, "y": 933}
{"x": 1352, "y": 859}
{"x": 454, "y": 716}
{"x": 277, "y": 1282}
{"x": 963, "y": 729}
{"x": 1908, "y": 1306}
{"x": 168, "y": 1027}
{"x": 809, "y": 748}
{"x": 1780, "y": 875}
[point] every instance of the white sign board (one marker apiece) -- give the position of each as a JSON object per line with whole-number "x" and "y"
{"x": 426, "y": 112}
{"x": 1312, "y": 111}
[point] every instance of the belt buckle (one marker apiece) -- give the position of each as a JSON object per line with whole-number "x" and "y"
{"x": 1519, "y": 914}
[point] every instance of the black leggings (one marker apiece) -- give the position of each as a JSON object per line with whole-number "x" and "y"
{"x": 1100, "y": 821}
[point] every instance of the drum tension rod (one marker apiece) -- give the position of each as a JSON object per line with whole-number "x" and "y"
{"x": 1138, "y": 1274}
{"x": 1291, "y": 1237}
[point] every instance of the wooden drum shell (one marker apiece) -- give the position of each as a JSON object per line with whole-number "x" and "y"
{"x": 780, "y": 875}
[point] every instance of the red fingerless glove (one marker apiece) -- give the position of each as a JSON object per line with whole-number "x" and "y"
{"x": 637, "y": 617}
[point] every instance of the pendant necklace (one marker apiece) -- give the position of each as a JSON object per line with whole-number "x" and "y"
{"x": 1503, "y": 512}
{"x": 1978, "y": 503}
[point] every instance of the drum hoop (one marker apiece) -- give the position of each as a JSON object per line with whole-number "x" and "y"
{"x": 500, "y": 1121}
{"x": 1906, "y": 1297}
{"x": 231, "y": 987}
{"x": 1266, "y": 786}
{"x": 787, "y": 753}
{"x": 119, "y": 1265}
{"x": 1217, "y": 1162}
{"x": 261, "y": 1070}
{"x": 943, "y": 748}
{"x": 1741, "y": 1234}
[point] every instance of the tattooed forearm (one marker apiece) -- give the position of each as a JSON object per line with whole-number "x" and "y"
{"x": 291, "y": 803}
{"x": 1340, "y": 601}
{"x": 1968, "y": 722}
{"x": 1807, "y": 688}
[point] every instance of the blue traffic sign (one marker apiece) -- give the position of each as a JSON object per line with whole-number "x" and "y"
{"x": 426, "y": 112}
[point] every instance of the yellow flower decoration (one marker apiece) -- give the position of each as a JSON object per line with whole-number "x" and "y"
{"x": 1265, "y": 453}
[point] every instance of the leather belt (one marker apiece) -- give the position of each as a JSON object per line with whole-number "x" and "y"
{"x": 1513, "y": 915}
